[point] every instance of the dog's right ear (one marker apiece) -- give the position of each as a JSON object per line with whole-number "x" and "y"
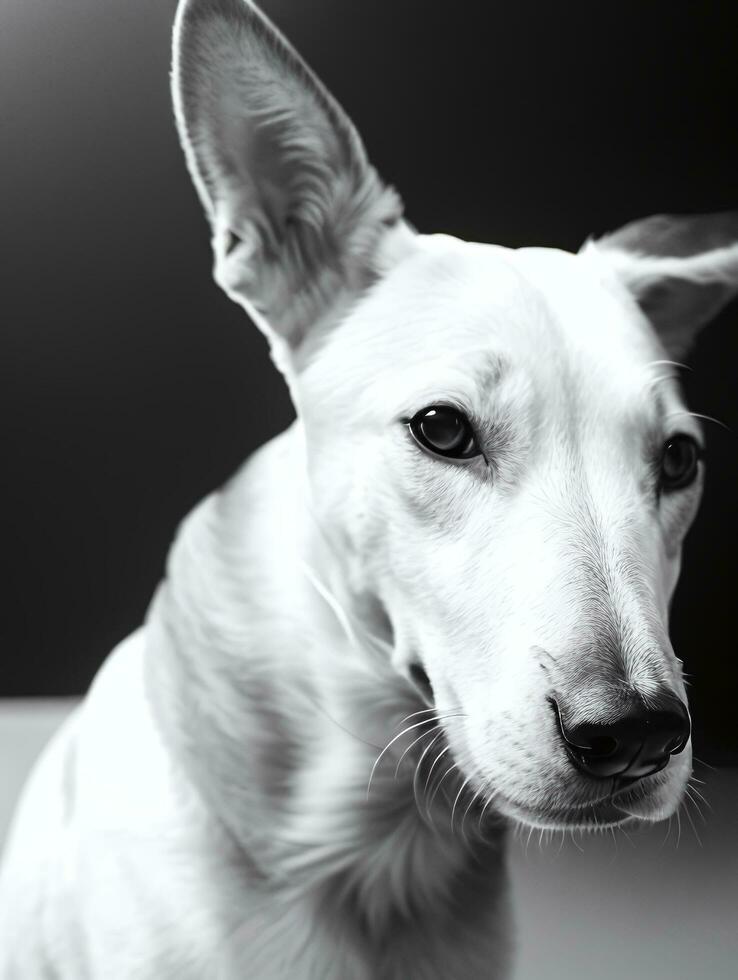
{"x": 297, "y": 211}
{"x": 681, "y": 269}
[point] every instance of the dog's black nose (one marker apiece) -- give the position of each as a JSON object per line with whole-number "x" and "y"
{"x": 637, "y": 743}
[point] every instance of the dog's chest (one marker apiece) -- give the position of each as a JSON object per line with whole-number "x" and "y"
{"x": 312, "y": 938}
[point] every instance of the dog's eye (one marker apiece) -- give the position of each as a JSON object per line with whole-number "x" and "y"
{"x": 680, "y": 459}
{"x": 444, "y": 431}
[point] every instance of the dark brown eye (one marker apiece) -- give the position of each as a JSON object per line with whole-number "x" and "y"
{"x": 679, "y": 462}
{"x": 444, "y": 431}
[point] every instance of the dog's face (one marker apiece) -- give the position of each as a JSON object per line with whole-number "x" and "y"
{"x": 496, "y": 444}
{"x": 499, "y": 440}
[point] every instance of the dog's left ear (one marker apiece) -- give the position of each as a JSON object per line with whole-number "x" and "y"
{"x": 297, "y": 211}
{"x": 681, "y": 269}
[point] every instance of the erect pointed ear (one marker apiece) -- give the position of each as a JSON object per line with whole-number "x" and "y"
{"x": 681, "y": 269}
{"x": 296, "y": 209}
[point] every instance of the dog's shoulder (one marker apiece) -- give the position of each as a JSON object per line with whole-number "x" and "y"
{"x": 112, "y": 824}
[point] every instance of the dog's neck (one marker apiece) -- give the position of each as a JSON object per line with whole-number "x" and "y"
{"x": 279, "y": 717}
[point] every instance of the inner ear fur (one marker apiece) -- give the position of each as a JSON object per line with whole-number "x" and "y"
{"x": 681, "y": 270}
{"x": 296, "y": 209}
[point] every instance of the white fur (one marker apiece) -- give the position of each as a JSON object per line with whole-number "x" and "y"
{"x": 251, "y": 787}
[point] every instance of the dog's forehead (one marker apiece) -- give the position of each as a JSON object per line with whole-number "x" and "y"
{"x": 454, "y": 294}
{"x": 475, "y": 314}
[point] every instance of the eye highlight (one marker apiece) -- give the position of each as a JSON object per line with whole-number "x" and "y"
{"x": 444, "y": 431}
{"x": 680, "y": 459}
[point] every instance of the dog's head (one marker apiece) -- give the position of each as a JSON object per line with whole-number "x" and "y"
{"x": 495, "y": 438}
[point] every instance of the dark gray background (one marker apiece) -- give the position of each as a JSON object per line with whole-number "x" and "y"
{"x": 130, "y": 387}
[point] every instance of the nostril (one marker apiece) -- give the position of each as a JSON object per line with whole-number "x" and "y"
{"x": 600, "y": 746}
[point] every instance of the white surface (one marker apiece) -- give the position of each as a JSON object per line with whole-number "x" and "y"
{"x": 644, "y": 909}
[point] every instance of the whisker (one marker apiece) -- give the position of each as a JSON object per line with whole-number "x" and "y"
{"x": 458, "y": 797}
{"x": 703, "y": 763}
{"x": 652, "y": 382}
{"x": 388, "y": 746}
{"x": 473, "y": 800}
{"x": 332, "y": 602}
{"x": 692, "y": 824}
{"x": 695, "y": 804}
{"x": 678, "y": 364}
{"x": 702, "y": 799}
{"x": 436, "y": 728}
{"x": 462, "y": 829}
{"x": 699, "y": 795}
{"x": 488, "y": 801}
{"x": 415, "y": 714}
{"x": 319, "y": 707}
{"x": 343, "y": 618}
{"x": 433, "y": 766}
{"x": 438, "y": 786}
{"x": 377, "y": 643}
{"x": 415, "y": 742}
{"x": 699, "y": 415}
{"x": 423, "y": 754}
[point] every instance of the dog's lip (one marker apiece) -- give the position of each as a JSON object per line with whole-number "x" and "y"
{"x": 617, "y": 807}
{"x": 636, "y": 801}
{"x": 600, "y": 813}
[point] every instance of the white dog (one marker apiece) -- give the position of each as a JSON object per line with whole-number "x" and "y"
{"x": 436, "y": 605}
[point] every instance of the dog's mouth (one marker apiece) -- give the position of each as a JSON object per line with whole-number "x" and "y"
{"x": 594, "y": 815}
{"x": 622, "y": 806}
